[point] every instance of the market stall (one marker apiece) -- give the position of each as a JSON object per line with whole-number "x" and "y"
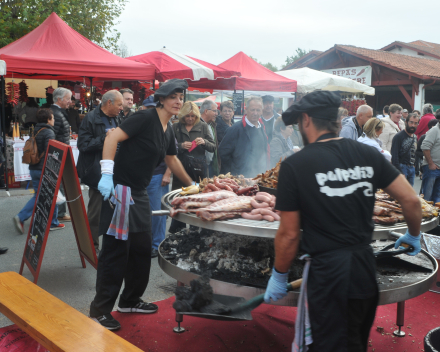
{"x": 309, "y": 80}
{"x": 173, "y": 65}
{"x": 14, "y": 154}
{"x": 55, "y": 51}
{"x": 255, "y": 79}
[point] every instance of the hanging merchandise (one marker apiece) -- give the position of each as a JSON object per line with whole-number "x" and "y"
{"x": 352, "y": 103}
{"x": 12, "y": 91}
{"x": 49, "y": 95}
{"x": 136, "y": 88}
{"x": 23, "y": 87}
{"x": 82, "y": 97}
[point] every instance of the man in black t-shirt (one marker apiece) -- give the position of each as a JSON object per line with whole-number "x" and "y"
{"x": 403, "y": 148}
{"x": 328, "y": 189}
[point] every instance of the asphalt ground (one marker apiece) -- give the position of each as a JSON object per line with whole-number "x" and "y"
{"x": 61, "y": 274}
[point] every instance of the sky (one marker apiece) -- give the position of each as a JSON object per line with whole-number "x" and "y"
{"x": 270, "y": 31}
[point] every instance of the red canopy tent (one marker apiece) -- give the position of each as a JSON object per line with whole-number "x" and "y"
{"x": 253, "y": 77}
{"x": 173, "y": 65}
{"x": 53, "y": 50}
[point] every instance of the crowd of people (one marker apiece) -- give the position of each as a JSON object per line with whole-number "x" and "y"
{"x": 410, "y": 141}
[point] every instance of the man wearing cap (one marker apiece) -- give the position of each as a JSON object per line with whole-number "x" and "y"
{"x": 145, "y": 139}
{"x": 95, "y": 127}
{"x": 269, "y": 115}
{"x": 353, "y": 128}
{"x": 244, "y": 149}
{"x": 328, "y": 190}
{"x": 148, "y": 103}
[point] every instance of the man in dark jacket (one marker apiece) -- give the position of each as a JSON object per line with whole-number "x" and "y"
{"x": 73, "y": 116}
{"x": 44, "y": 132}
{"x": 244, "y": 149}
{"x": 269, "y": 115}
{"x": 96, "y": 125}
{"x": 208, "y": 112}
{"x": 403, "y": 148}
{"x": 127, "y": 103}
{"x": 62, "y": 98}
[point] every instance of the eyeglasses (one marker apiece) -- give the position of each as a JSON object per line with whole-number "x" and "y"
{"x": 215, "y": 110}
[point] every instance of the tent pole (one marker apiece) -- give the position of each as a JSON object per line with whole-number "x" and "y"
{"x": 3, "y": 128}
{"x": 91, "y": 93}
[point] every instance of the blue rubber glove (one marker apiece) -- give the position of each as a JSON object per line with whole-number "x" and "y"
{"x": 105, "y": 186}
{"x": 411, "y": 240}
{"x": 277, "y": 286}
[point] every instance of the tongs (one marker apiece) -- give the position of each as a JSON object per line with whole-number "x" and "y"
{"x": 385, "y": 252}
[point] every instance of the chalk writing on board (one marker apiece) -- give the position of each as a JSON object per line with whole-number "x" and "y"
{"x": 45, "y": 198}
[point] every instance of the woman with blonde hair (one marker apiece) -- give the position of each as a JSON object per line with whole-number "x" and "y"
{"x": 373, "y": 128}
{"x": 193, "y": 139}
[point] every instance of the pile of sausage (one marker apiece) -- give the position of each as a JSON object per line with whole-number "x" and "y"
{"x": 229, "y": 184}
{"x": 263, "y": 208}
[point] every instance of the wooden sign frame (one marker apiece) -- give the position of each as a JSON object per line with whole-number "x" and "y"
{"x": 59, "y": 166}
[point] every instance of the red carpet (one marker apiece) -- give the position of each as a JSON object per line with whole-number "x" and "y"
{"x": 271, "y": 330}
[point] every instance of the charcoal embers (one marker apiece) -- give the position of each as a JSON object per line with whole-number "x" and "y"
{"x": 198, "y": 297}
{"x": 231, "y": 258}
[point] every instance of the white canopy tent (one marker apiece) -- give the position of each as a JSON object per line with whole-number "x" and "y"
{"x": 310, "y": 80}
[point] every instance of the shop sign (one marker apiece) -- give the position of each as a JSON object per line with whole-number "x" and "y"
{"x": 361, "y": 74}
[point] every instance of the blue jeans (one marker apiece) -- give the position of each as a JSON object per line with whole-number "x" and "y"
{"x": 158, "y": 223}
{"x": 27, "y": 210}
{"x": 431, "y": 184}
{"x": 409, "y": 172}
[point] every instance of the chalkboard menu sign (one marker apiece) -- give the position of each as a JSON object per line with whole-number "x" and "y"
{"x": 45, "y": 205}
{"x": 59, "y": 166}
{"x": 238, "y": 100}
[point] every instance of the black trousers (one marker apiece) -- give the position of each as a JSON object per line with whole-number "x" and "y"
{"x": 94, "y": 214}
{"x": 119, "y": 261}
{"x": 361, "y": 313}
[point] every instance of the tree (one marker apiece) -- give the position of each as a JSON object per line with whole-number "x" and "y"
{"x": 299, "y": 53}
{"x": 122, "y": 50}
{"x": 94, "y": 19}
{"x": 268, "y": 65}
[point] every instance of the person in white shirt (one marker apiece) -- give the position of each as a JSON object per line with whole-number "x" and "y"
{"x": 372, "y": 130}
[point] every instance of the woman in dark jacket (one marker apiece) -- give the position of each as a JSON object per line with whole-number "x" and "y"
{"x": 225, "y": 120}
{"x": 281, "y": 145}
{"x": 190, "y": 128}
{"x": 44, "y": 132}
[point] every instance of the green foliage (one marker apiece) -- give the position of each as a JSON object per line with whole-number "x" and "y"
{"x": 268, "y": 65}
{"x": 94, "y": 19}
{"x": 299, "y": 53}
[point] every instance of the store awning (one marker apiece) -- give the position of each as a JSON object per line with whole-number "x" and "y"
{"x": 173, "y": 65}
{"x": 309, "y": 80}
{"x": 254, "y": 77}
{"x": 53, "y": 50}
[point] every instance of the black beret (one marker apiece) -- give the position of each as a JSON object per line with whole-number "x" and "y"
{"x": 319, "y": 104}
{"x": 170, "y": 87}
{"x": 268, "y": 98}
